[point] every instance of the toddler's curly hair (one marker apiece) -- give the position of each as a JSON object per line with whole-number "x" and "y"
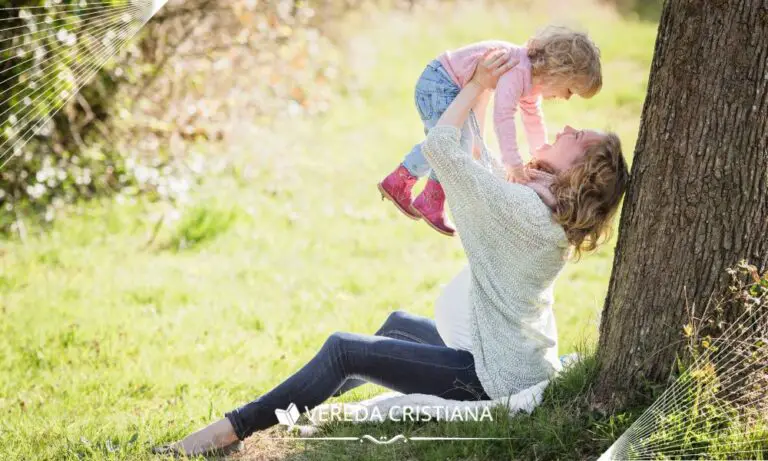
{"x": 562, "y": 56}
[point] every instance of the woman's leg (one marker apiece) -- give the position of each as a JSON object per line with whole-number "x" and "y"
{"x": 410, "y": 327}
{"x": 403, "y": 366}
{"x": 405, "y": 326}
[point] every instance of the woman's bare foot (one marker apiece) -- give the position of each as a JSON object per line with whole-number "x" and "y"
{"x": 213, "y": 437}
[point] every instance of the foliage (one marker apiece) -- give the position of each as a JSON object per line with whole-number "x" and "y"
{"x": 645, "y": 9}
{"x": 45, "y": 55}
{"x": 733, "y": 331}
{"x": 716, "y": 407}
{"x": 200, "y": 69}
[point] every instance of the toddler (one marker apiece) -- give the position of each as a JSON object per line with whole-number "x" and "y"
{"x": 555, "y": 63}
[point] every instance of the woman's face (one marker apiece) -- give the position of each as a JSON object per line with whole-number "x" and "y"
{"x": 569, "y": 147}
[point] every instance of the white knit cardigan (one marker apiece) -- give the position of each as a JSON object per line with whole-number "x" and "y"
{"x": 515, "y": 252}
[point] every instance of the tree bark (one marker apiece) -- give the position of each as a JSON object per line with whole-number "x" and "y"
{"x": 698, "y": 196}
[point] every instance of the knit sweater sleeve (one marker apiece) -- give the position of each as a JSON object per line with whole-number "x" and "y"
{"x": 496, "y": 207}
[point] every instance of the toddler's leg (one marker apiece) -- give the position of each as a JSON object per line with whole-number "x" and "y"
{"x": 398, "y": 185}
{"x": 415, "y": 162}
{"x": 431, "y": 89}
{"x": 430, "y": 204}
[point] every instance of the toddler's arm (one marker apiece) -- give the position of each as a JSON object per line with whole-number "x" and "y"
{"x": 533, "y": 122}
{"x": 508, "y": 93}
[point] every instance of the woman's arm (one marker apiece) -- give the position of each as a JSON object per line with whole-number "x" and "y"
{"x": 480, "y": 109}
{"x": 458, "y": 111}
{"x": 442, "y": 148}
{"x": 466, "y": 182}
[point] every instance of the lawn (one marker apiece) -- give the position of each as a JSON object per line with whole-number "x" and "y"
{"x": 111, "y": 341}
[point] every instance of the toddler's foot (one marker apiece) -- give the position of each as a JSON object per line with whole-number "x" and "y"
{"x": 397, "y": 187}
{"x": 430, "y": 204}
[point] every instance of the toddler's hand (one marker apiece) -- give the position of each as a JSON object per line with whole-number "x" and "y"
{"x": 476, "y": 151}
{"x": 517, "y": 174}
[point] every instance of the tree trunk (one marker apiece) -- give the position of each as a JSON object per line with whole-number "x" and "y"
{"x": 698, "y": 197}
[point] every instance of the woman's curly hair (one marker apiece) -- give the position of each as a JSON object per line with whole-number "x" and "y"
{"x": 562, "y": 56}
{"x": 588, "y": 194}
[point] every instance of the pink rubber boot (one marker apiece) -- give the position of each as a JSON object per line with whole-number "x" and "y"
{"x": 397, "y": 187}
{"x": 430, "y": 204}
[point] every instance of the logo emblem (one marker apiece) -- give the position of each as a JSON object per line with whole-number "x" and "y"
{"x": 289, "y": 416}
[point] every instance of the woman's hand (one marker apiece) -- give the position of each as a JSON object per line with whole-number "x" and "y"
{"x": 476, "y": 151}
{"x": 491, "y": 66}
{"x": 518, "y": 174}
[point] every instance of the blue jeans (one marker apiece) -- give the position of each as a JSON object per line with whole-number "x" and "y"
{"x": 406, "y": 355}
{"x": 435, "y": 91}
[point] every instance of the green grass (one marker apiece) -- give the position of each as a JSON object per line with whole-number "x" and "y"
{"x": 113, "y": 339}
{"x": 200, "y": 224}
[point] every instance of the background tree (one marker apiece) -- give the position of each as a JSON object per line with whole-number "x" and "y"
{"x": 698, "y": 198}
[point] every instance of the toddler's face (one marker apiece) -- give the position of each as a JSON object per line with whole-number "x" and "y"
{"x": 556, "y": 91}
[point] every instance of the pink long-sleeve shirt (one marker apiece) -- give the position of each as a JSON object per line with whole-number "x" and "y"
{"x": 513, "y": 89}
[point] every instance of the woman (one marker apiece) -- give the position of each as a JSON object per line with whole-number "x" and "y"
{"x": 500, "y": 337}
